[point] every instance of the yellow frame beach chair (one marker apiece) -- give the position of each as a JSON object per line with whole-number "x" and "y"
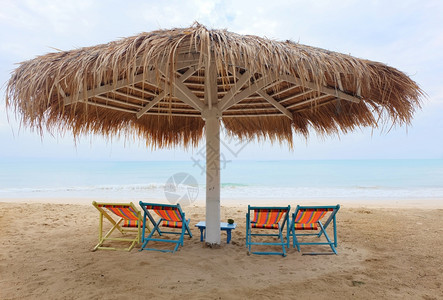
{"x": 128, "y": 221}
{"x": 308, "y": 218}
{"x": 268, "y": 217}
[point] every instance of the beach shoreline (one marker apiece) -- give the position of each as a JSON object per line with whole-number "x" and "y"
{"x": 383, "y": 253}
{"x": 419, "y": 203}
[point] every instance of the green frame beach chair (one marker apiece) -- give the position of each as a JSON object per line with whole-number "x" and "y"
{"x": 170, "y": 216}
{"x": 128, "y": 221}
{"x": 308, "y": 218}
{"x": 268, "y": 217}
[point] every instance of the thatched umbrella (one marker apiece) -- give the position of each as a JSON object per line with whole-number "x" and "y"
{"x": 166, "y": 86}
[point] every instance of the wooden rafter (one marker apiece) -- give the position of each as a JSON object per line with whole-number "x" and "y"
{"x": 148, "y": 106}
{"x": 182, "y": 92}
{"x": 276, "y": 104}
{"x": 104, "y": 89}
{"x": 107, "y": 99}
{"x": 234, "y": 89}
{"x": 318, "y": 105}
{"x": 160, "y": 96}
{"x": 253, "y": 109}
{"x": 130, "y": 96}
{"x": 109, "y": 106}
{"x": 143, "y": 91}
{"x": 292, "y": 97}
{"x": 262, "y": 103}
{"x": 187, "y": 110}
{"x": 252, "y": 115}
{"x": 149, "y": 76}
{"x": 308, "y": 101}
{"x": 283, "y": 91}
{"x": 258, "y": 85}
{"x": 175, "y": 114}
{"x": 325, "y": 90}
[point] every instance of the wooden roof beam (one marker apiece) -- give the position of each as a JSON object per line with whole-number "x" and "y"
{"x": 117, "y": 101}
{"x": 83, "y": 96}
{"x": 325, "y": 90}
{"x": 302, "y": 94}
{"x": 277, "y": 105}
{"x": 130, "y": 96}
{"x": 189, "y": 110}
{"x": 142, "y": 90}
{"x": 308, "y": 101}
{"x": 160, "y": 96}
{"x": 234, "y": 89}
{"x": 252, "y": 115}
{"x": 284, "y": 90}
{"x": 172, "y": 114}
{"x": 149, "y": 76}
{"x": 253, "y": 88}
{"x": 182, "y": 92}
{"x": 87, "y": 102}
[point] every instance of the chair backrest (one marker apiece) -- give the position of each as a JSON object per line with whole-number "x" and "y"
{"x": 267, "y": 217}
{"x": 167, "y": 212}
{"x": 170, "y": 214}
{"x": 127, "y": 211}
{"x": 307, "y": 217}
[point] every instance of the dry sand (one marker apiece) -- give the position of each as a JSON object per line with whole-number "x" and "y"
{"x": 383, "y": 253}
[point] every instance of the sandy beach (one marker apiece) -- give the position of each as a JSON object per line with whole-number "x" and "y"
{"x": 383, "y": 253}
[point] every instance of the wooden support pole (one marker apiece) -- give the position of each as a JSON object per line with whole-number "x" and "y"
{"x": 212, "y": 116}
{"x": 212, "y": 179}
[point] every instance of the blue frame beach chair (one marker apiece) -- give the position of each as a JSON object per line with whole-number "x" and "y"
{"x": 268, "y": 217}
{"x": 170, "y": 216}
{"x": 309, "y": 218}
{"x": 128, "y": 221}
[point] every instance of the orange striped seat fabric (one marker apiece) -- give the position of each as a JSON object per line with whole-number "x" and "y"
{"x": 131, "y": 223}
{"x": 267, "y": 218}
{"x": 172, "y": 224}
{"x": 170, "y": 215}
{"x": 129, "y": 215}
{"x": 307, "y": 219}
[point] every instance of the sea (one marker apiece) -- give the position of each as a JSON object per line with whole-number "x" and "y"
{"x": 243, "y": 180}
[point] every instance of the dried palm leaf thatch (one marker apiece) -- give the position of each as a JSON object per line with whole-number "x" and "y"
{"x": 156, "y": 85}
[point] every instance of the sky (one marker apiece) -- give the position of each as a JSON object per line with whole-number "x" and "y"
{"x": 406, "y": 34}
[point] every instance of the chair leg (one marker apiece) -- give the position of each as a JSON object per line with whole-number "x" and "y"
{"x": 103, "y": 238}
{"x": 295, "y": 242}
{"x": 146, "y": 240}
{"x": 283, "y": 245}
{"x": 331, "y": 244}
{"x": 335, "y": 231}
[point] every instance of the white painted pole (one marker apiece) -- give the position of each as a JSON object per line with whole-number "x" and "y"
{"x": 212, "y": 178}
{"x": 212, "y": 115}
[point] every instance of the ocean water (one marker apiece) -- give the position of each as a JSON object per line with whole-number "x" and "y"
{"x": 295, "y": 179}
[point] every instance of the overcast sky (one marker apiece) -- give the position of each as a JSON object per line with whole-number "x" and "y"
{"x": 407, "y": 35}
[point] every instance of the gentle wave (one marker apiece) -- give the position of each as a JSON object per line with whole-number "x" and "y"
{"x": 228, "y": 190}
{"x": 129, "y": 187}
{"x": 242, "y": 179}
{"x": 233, "y": 185}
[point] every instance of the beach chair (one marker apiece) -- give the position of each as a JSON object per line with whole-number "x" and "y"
{"x": 170, "y": 216}
{"x": 308, "y": 218}
{"x": 272, "y": 218}
{"x": 127, "y": 219}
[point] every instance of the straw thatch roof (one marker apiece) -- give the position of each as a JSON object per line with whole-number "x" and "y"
{"x": 157, "y": 85}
